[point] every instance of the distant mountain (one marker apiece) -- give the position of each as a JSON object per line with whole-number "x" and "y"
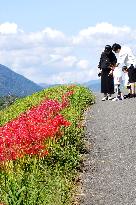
{"x": 44, "y": 85}
{"x": 94, "y": 85}
{"x": 12, "y": 83}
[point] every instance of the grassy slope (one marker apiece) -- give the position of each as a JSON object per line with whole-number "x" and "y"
{"x": 32, "y": 181}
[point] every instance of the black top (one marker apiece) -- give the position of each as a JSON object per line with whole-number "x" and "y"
{"x": 107, "y": 60}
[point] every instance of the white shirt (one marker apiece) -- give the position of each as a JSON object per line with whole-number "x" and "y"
{"x": 126, "y": 57}
{"x": 117, "y": 74}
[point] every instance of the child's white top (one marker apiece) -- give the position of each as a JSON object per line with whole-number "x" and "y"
{"x": 117, "y": 74}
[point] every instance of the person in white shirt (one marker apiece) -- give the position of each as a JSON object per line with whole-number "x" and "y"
{"x": 125, "y": 58}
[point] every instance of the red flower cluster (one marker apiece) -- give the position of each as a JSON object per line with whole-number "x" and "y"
{"x": 65, "y": 101}
{"x": 27, "y": 133}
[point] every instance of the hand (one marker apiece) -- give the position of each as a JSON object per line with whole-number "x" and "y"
{"x": 117, "y": 64}
{"x": 111, "y": 72}
{"x": 99, "y": 73}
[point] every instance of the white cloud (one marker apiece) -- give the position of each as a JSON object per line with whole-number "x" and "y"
{"x": 50, "y": 56}
{"x": 101, "y": 33}
{"x": 47, "y": 37}
{"x": 53, "y": 33}
{"x": 84, "y": 64}
{"x": 9, "y": 28}
{"x": 70, "y": 61}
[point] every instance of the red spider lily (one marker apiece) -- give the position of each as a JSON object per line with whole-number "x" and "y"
{"x": 26, "y": 134}
{"x": 65, "y": 100}
{"x": 71, "y": 92}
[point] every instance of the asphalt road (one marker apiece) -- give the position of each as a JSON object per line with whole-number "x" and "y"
{"x": 109, "y": 176}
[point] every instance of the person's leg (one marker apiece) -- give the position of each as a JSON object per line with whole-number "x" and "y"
{"x": 120, "y": 96}
{"x": 111, "y": 87}
{"x": 118, "y": 92}
{"x": 132, "y": 89}
{"x": 129, "y": 91}
{"x": 105, "y": 97}
{"x": 116, "y": 89}
{"x": 110, "y": 97}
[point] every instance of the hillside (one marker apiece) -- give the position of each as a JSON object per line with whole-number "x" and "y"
{"x": 6, "y": 101}
{"x": 15, "y": 84}
{"x": 94, "y": 85}
{"x": 41, "y": 139}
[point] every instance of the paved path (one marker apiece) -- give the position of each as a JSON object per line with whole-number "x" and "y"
{"x": 110, "y": 177}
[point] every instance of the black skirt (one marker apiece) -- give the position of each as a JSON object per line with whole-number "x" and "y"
{"x": 107, "y": 83}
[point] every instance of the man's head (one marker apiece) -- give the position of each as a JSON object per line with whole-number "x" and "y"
{"x": 116, "y": 47}
{"x": 108, "y": 49}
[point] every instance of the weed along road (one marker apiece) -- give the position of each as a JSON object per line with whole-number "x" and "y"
{"x": 110, "y": 176}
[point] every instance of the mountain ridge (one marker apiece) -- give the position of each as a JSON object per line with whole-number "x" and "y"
{"x": 12, "y": 83}
{"x": 94, "y": 85}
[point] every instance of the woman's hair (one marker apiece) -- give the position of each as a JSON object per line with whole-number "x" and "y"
{"x": 116, "y": 46}
{"x": 108, "y": 48}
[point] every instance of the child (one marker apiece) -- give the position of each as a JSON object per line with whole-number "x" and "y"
{"x": 117, "y": 74}
{"x": 130, "y": 79}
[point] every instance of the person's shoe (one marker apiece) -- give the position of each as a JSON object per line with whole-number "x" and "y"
{"x": 110, "y": 98}
{"x": 105, "y": 98}
{"x": 125, "y": 96}
{"x": 120, "y": 97}
{"x": 115, "y": 99}
{"x": 130, "y": 95}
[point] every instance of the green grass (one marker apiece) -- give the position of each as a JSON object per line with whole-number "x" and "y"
{"x": 50, "y": 180}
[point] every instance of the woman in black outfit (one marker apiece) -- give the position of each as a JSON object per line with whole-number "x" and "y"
{"x": 108, "y": 60}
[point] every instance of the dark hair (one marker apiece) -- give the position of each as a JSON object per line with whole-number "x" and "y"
{"x": 108, "y": 48}
{"x": 124, "y": 68}
{"x": 116, "y": 46}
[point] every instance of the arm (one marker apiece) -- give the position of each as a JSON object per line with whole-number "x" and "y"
{"x": 113, "y": 59}
{"x": 99, "y": 70}
{"x": 122, "y": 57}
{"x": 99, "y": 65}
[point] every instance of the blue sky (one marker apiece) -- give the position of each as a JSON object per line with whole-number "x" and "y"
{"x": 56, "y": 41}
{"x": 70, "y": 16}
